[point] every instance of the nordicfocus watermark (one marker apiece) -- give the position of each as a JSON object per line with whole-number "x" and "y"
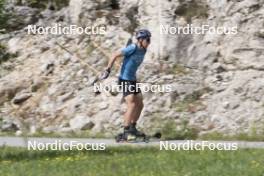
{"x": 199, "y": 30}
{"x": 198, "y": 145}
{"x": 58, "y": 29}
{"x": 142, "y": 87}
{"x": 60, "y": 145}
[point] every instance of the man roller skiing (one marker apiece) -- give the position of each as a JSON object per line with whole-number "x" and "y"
{"x": 133, "y": 56}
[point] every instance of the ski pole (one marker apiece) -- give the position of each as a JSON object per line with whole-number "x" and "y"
{"x": 97, "y": 77}
{"x": 72, "y": 54}
{"x": 104, "y": 52}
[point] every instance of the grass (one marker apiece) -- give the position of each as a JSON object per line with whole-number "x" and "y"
{"x": 131, "y": 161}
{"x": 255, "y": 133}
{"x": 80, "y": 134}
{"x": 174, "y": 131}
{"x": 170, "y": 130}
{"x": 182, "y": 131}
{"x": 238, "y": 137}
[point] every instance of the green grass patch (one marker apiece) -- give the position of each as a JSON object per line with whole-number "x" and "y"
{"x": 171, "y": 130}
{"x": 80, "y": 134}
{"x": 72, "y": 134}
{"x": 131, "y": 161}
{"x": 239, "y": 137}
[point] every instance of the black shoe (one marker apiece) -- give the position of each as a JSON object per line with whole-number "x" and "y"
{"x": 134, "y": 131}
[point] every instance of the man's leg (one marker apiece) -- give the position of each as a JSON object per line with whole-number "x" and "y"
{"x": 139, "y": 107}
{"x": 136, "y": 114}
{"x": 131, "y": 101}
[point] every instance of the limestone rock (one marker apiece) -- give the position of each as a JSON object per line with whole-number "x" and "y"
{"x": 80, "y": 122}
{"x": 20, "y": 98}
{"x": 9, "y": 126}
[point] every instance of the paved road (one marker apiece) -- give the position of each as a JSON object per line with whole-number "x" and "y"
{"x": 31, "y": 141}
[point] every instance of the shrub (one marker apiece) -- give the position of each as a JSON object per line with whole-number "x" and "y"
{"x": 192, "y": 9}
{"x": 4, "y": 55}
{"x": 3, "y": 16}
{"x": 192, "y": 102}
{"x": 42, "y": 4}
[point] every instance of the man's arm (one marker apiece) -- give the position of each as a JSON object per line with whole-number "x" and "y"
{"x": 111, "y": 62}
{"x": 113, "y": 59}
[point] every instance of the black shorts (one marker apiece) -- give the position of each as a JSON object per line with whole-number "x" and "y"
{"x": 128, "y": 87}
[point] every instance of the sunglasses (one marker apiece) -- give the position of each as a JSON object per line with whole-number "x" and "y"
{"x": 148, "y": 40}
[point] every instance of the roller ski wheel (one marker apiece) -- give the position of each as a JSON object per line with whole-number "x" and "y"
{"x": 140, "y": 136}
{"x": 130, "y": 138}
{"x": 123, "y": 137}
{"x": 153, "y": 138}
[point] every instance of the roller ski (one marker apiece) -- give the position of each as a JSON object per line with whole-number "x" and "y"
{"x": 132, "y": 135}
{"x": 130, "y": 138}
{"x": 124, "y": 138}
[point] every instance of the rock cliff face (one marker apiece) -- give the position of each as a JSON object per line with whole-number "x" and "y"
{"x": 217, "y": 79}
